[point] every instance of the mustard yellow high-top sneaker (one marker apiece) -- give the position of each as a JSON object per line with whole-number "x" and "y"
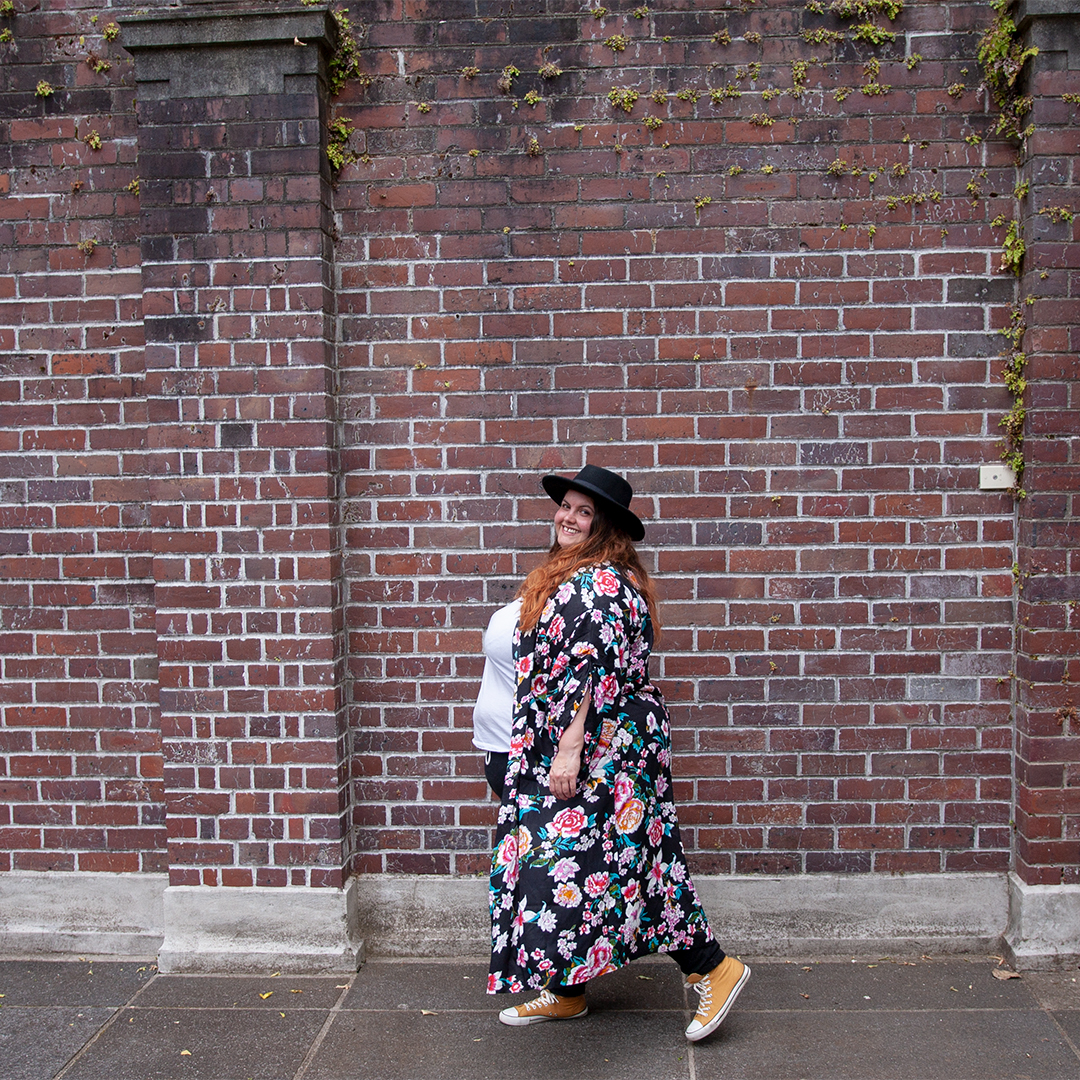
{"x": 547, "y": 1006}
{"x": 718, "y": 991}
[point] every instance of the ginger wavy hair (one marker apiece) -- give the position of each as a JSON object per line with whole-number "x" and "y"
{"x": 605, "y": 544}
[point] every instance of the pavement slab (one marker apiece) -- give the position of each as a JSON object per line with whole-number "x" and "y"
{"x": 37, "y": 1041}
{"x": 887, "y": 1045}
{"x": 824, "y": 1018}
{"x": 199, "y": 1044}
{"x": 456, "y": 1045}
{"x": 72, "y": 982}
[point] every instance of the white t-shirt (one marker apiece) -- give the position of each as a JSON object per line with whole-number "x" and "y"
{"x": 493, "y": 714}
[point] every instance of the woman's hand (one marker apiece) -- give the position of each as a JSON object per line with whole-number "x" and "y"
{"x": 565, "y": 766}
{"x": 563, "y": 774}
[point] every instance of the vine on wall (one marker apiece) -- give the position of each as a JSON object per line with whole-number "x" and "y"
{"x": 1002, "y": 56}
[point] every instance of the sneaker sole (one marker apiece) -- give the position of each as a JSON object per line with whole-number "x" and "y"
{"x": 523, "y": 1021}
{"x": 716, "y": 1021}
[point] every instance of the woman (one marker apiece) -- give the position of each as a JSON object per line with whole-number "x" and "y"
{"x": 588, "y": 870}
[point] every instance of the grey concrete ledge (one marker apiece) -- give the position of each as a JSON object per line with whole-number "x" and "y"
{"x": 1044, "y": 926}
{"x": 766, "y": 916}
{"x": 46, "y": 913}
{"x": 225, "y": 24}
{"x": 298, "y": 931}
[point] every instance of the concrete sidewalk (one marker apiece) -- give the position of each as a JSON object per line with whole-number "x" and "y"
{"x": 819, "y": 1019}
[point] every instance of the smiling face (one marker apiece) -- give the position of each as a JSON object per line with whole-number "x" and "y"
{"x": 574, "y": 518}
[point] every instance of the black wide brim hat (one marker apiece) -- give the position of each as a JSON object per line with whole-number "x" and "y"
{"x": 608, "y": 490}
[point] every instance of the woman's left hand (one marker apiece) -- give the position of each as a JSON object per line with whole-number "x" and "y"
{"x": 563, "y": 774}
{"x": 565, "y": 766}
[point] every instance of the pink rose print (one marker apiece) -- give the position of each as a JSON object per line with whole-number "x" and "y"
{"x": 539, "y": 686}
{"x": 606, "y": 583}
{"x": 557, "y": 627}
{"x": 507, "y": 852}
{"x": 656, "y": 831}
{"x": 598, "y": 960}
{"x": 623, "y": 790}
{"x": 606, "y": 692}
{"x": 596, "y": 884}
{"x": 568, "y": 823}
{"x": 506, "y": 856}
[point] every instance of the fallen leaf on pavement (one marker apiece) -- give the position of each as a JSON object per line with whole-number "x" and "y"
{"x": 185, "y": 1053}
{"x": 807, "y": 996}
{"x": 269, "y": 993}
{"x": 428, "y": 1012}
{"x": 645, "y": 978}
{"x": 1005, "y": 973}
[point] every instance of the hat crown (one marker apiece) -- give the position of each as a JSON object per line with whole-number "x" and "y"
{"x": 610, "y": 484}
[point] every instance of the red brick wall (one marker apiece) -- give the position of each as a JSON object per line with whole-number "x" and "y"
{"x": 80, "y": 747}
{"x": 800, "y": 379}
{"x": 785, "y": 333}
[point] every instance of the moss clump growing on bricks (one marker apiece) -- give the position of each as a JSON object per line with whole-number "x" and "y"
{"x": 505, "y": 82}
{"x": 1012, "y": 247}
{"x": 1002, "y": 56}
{"x": 345, "y": 63}
{"x": 1012, "y": 424}
{"x": 337, "y": 144}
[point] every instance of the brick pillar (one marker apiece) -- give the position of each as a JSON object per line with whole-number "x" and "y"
{"x": 236, "y": 265}
{"x": 1045, "y": 888}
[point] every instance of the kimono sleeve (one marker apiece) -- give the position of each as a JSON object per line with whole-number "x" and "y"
{"x": 588, "y": 634}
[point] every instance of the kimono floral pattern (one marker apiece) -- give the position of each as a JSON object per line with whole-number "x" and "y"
{"x": 580, "y": 887}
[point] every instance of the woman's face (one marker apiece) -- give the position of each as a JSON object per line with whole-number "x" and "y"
{"x": 574, "y": 518}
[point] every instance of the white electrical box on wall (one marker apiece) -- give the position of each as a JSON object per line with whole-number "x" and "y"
{"x": 996, "y": 477}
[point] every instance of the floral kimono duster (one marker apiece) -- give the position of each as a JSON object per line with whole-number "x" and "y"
{"x": 582, "y": 886}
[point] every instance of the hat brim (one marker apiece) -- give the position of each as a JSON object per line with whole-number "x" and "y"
{"x": 557, "y": 487}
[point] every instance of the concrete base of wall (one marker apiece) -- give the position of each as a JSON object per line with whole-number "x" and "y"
{"x": 81, "y": 914}
{"x": 763, "y": 916}
{"x": 1044, "y": 926}
{"x": 203, "y": 929}
{"x": 309, "y": 931}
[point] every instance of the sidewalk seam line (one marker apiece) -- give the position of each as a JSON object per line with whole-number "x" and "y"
{"x": 1064, "y": 1034}
{"x": 335, "y": 1011}
{"x": 84, "y": 1049}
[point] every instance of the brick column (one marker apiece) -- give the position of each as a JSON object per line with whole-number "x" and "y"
{"x": 1045, "y": 894}
{"x": 236, "y": 265}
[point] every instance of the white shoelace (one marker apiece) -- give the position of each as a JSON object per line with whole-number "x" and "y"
{"x": 546, "y": 998}
{"x": 704, "y": 989}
